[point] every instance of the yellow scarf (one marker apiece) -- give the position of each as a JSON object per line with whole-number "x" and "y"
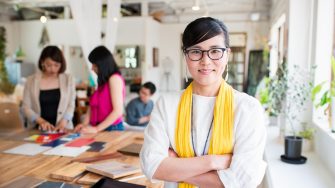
{"x": 221, "y": 141}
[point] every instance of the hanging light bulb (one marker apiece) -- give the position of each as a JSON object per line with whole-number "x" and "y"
{"x": 196, "y": 6}
{"x": 255, "y": 16}
{"x": 43, "y": 19}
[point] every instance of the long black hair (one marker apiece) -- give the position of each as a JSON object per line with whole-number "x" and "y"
{"x": 202, "y": 29}
{"x": 104, "y": 60}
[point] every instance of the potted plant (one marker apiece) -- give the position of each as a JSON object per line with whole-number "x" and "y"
{"x": 273, "y": 93}
{"x": 298, "y": 92}
{"x": 327, "y": 99}
{"x": 20, "y": 55}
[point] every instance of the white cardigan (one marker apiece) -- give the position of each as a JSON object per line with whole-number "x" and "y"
{"x": 247, "y": 166}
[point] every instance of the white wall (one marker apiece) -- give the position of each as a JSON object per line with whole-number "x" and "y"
{"x": 152, "y": 39}
{"x": 170, "y": 46}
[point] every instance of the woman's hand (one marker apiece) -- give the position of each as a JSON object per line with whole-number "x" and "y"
{"x": 45, "y": 126}
{"x": 89, "y": 129}
{"x": 61, "y": 126}
{"x": 79, "y": 127}
{"x": 220, "y": 162}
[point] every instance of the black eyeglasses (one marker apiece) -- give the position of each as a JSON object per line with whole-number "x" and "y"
{"x": 197, "y": 54}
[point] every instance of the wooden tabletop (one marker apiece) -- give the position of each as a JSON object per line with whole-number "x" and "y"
{"x": 41, "y": 166}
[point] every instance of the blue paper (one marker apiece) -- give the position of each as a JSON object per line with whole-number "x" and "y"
{"x": 55, "y": 143}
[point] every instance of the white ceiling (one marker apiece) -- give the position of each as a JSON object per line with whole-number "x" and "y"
{"x": 169, "y": 10}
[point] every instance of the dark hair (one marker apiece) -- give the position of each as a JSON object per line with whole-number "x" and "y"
{"x": 104, "y": 60}
{"x": 54, "y": 53}
{"x": 150, "y": 86}
{"x": 202, "y": 29}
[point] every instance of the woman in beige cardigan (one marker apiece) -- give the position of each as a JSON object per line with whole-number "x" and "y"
{"x": 49, "y": 95}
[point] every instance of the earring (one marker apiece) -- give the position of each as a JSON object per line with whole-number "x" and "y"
{"x": 227, "y": 75}
{"x": 186, "y": 78}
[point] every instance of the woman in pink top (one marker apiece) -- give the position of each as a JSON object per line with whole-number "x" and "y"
{"x": 106, "y": 103}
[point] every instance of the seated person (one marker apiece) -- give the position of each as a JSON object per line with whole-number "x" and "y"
{"x": 139, "y": 109}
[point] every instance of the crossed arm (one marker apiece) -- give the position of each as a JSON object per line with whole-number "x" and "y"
{"x": 200, "y": 171}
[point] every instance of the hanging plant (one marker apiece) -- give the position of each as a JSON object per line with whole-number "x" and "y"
{"x": 44, "y": 37}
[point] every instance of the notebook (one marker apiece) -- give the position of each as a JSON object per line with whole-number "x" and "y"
{"x": 97, "y": 146}
{"x": 110, "y": 183}
{"x": 28, "y": 149}
{"x": 79, "y": 142}
{"x": 55, "y": 143}
{"x": 131, "y": 149}
{"x": 62, "y": 150}
{"x": 113, "y": 169}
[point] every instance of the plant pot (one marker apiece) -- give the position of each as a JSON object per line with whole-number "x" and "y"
{"x": 293, "y": 145}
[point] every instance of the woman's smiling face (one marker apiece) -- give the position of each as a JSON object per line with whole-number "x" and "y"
{"x": 207, "y": 71}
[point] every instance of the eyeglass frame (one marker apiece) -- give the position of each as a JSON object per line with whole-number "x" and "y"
{"x": 202, "y": 53}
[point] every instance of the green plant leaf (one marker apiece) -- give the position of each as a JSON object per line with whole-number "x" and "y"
{"x": 316, "y": 90}
{"x": 325, "y": 98}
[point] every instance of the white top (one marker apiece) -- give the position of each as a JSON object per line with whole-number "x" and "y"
{"x": 247, "y": 166}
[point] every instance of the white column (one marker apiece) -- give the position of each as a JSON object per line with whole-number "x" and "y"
{"x": 87, "y": 16}
{"x": 113, "y": 16}
{"x": 144, "y": 8}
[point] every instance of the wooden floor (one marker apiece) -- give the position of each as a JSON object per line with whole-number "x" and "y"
{"x": 41, "y": 166}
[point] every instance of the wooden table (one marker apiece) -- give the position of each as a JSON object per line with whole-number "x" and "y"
{"x": 41, "y": 166}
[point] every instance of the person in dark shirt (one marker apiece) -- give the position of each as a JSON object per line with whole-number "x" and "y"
{"x": 139, "y": 109}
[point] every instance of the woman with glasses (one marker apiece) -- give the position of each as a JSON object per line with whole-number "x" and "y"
{"x": 208, "y": 135}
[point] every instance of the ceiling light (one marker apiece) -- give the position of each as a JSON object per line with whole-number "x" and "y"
{"x": 196, "y": 7}
{"x": 43, "y": 19}
{"x": 255, "y": 16}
